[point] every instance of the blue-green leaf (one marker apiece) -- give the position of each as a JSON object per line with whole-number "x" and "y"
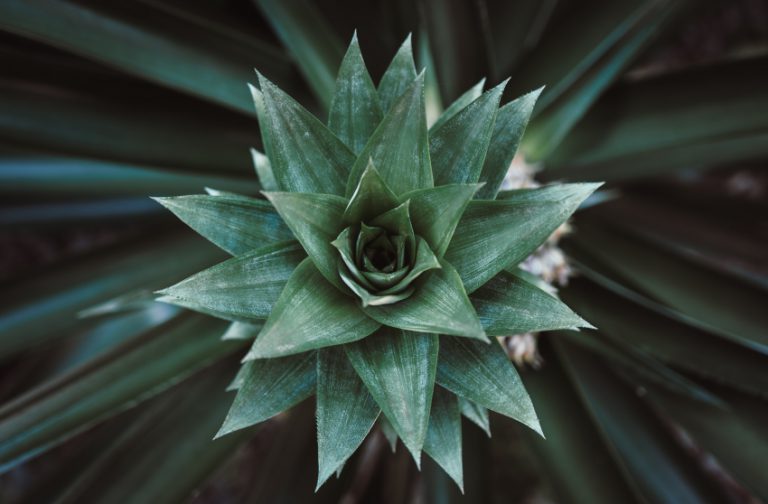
{"x": 511, "y": 121}
{"x": 508, "y": 305}
{"x": 237, "y": 224}
{"x": 310, "y": 313}
{"x": 242, "y": 288}
{"x": 305, "y": 155}
{"x": 443, "y": 442}
{"x": 316, "y": 220}
{"x": 398, "y": 367}
{"x": 398, "y": 76}
{"x": 458, "y": 147}
{"x": 494, "y": 234}
{"x": 346, "y": 411}
{"x": 355, "y": 110}
{"x": 399, "y": 147}
{"x": 269, "y": 387}
{"x": 483, "y": 374}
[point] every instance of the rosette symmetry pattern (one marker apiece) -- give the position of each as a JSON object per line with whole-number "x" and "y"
{"x": 380, "y": 264}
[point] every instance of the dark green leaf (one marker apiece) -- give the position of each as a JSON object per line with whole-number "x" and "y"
{"x": 702, "y": 117}
{"x": 435, "y": 212}
{"x": 44, "y": 176}
{"x": 508, "y": 305}
{"x": 459, "y": 104}
{"x": 316, "y": 220}
{"x": 355, "y": 110}
{"x": 45, "y": 307}
{"x": 495, "y": 234}
{"x": 132, "y": 372}
{"x": 398, "y": 368}
{"x": 439, "y": 305}
{"x": 345, "y": 411}
{"x": 626, "y": 319}
{"x": 169, "y": 50}
{"x": 443, "y": 441}
{"x": 458, "y": 147}
{"x": 397, "y": 78}
{"x": 511, "y": 121}
{"x": 237, "y": 224}
{"x": 159, "y": 134}
{"x": 716, "y": 302}
{"x": 483, "y": 374}
{"x": 176, "y": 428}
{"x": 310, "y": 313}
{"x": 305, "y": 155}
{"x": 269, "y": 387}
{"x": 572, "y": 438}
{"x": 636, "y": 435}
{"x": 311, "y": 40}
{"x": 244, "y": 288}
{"x": 736, "y": 436}
{"x": 399, "y": 148}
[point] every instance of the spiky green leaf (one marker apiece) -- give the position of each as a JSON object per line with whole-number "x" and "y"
{"x": 508, "y": 305}
{"x": 483, "y": 374}
{"x": 511, "y": 121}
{"x": 459, "y": 104}
{"x": 435, "y": 212}
{"x": 355, "y": 110}
{"x": 398, "y": 76}
{"x": 244, "y": 287}
{"x": 237, "y": 224}
{"x": 398, "y": 367}
{"x": 346, "y": 411}
{"x": 399, "y": 147}
{"x": 310, "y": 313}
{"x": 316, "y": 220}
{"x": 439, "y": 305}
{"x": 494, "y": 234}
{"x": 458, "y": 147}
{"x": 305, "y": 155}
{"x": 269, "y": 387}
{"x": 443, "y": 441}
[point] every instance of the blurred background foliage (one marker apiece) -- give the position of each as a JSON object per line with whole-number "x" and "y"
{"x": 107, "y": 396}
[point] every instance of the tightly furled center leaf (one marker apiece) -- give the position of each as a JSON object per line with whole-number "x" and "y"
{"x": 360, "y": 264}
{"x": 380, "y": 259}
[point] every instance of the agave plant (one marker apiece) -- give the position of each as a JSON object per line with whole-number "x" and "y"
{"x": 371, "y": 274}
{"x": 109, "y": 396}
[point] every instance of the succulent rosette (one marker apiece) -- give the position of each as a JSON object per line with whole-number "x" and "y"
{"x": 381, "y": 263}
